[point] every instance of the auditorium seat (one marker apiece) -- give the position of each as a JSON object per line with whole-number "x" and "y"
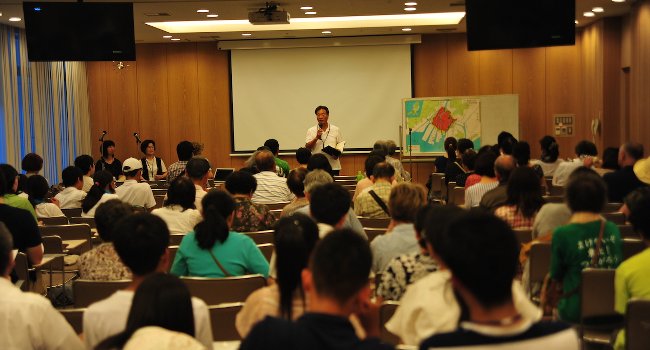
{"x": 71, "y": 212}
{"x": 386, "y": 311}
{"x": 81, "y": 220}
{"x": 222, "y": 318}
{"x": 457, "y": 196}
{"x": 74, "y": 318}
{"x": 267, "y": 250}
{"x": 346, "y": 182}
{"x": 159, "y": 201}
{"x": 21, "y": 268}
{"x": 598, "y": 318}
{"x": 539, "y": 260}
{"x": 617, "y": 218}
{"x": 87, "y": 292}
{"x": 275, "y": 206}
{"x": 637, "y": 325}
{"x": 261, "y": 237}
{"x": 374, "y": 222}
{"x": 172, "y": 255}
{"x": 632, "y": 246}
{"x": 627, "y": 231}
{"x": 175, "y": 239}
{"x": 437, "y": 182}
{"x": 70, "y": 232}
{"x": 612, "y": 207}
{"x": 373, "y": 232}
{"x": 214, "y": 291}
{"x": 59, "y": 220}
{"x": 524, "y": 235}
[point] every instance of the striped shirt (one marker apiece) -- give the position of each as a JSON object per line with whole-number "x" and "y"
{"x": 474, "y": 193}
{"x": 271, "y": 189}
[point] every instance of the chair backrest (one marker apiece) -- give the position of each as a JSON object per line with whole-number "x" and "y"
{"x": 345, "y": 177}
{"x": 159, "y": 191}
{"x": 261, "y": 237}
{"x": 374, "y": 222}
{"x": 276, "y": 213}
{"x": 160, "y": 199}
{"x": 632, "y": 247}
{"x": 637, "y": 325}
{"x": 342, "y": 182}
{"x": 373, "y": 233}
{"x": 21, "y": 268}
{"x": 349, "y": 187}
{"x": 556, "y": 190}
{"x": 450, "y": 190}
{"x": 81, "y": 220}
{"x": 267, "y": 249}
{"x": 172, "y": 255}
{"x": 69, "y": 232}
{"x": 549, "y": 182}
{"x": 74, "y": 318}
{"x": 71, "y": 212}
{"x": 443, "y": 189}
{"x": 278, "y": 205}
{"x": 616, "y": 217}
{"x": 597, "y": 292}
{"x": 612, "y": 207}
{"x": 386, "y": 311}
{"x": 222, "y": 318}
{"x": 524, "y": 235}
{"x": 437, "y": 181}
{"x": 57, "y": 220}
{"x": 539, "y": 261}
{"x": 554, "y": 199}
{"x": 627, "y": 231}
{"x": 87, "y": 292}
{"x": 158, "y": 184}
{"x": 215, "y": 291}
{"x": 457, "y": 196}
{"x": 175, "y": 239}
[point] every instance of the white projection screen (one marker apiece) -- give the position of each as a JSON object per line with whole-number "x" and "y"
{"x": 275, "y": 91}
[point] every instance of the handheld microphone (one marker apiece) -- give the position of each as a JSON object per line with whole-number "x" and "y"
{"x": 137, "y": 137}
{"x": 101, "y": 138}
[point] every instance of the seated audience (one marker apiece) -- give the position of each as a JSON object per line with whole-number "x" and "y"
{"x": 87, "y": 165}
{"x": 184, "y": 151}
{"x": 294, "y": 240}
{"x": 29, "y": 320}
{"x": 302, "y": 157}
{"x": 161, "y": 317}
{"x": 282, "y": 167}
{"x": 623, "y": 181}
{"x": 609, "y": 162}
{"x": 72, "y": 195}
{"x": 249, "y": 216}
{"x": 400, "y": 173}
{"x": 132, "y": 191}
{"x": 212, "y": 250}
{"x": 296, "y": 185}
{"x": 492, "y": 199}
{"x": 329, "y": 205}
{"x": 102, "y": 262}
{"x": 141, "y": 242}
{"x": 372, "y": 201}
{"x": 32, "y": 164}
{"x": 271, "y": 188}
{"x": 108, "y": 160}
{"x": 521, "y": 153}
{"x": 585, "y": 152}
{"x": 10, "y": 196}
{"x": 336, "y": 284}
{"x": 586, "y": 195}
{"x": 550, "y": 159}
{"x": 198, "y": 170}
{"x": 154, "y": 167}
{"x": 484, "y": 168}
{"x": 405, "y": 269}
{"x": 403, "y": 204}
{"x": 319, "y": 161}
{"x": 632, "y": 275}
{"x": 524, "y": 199}
{"x": 369, "y": 165}
{"x": 103, "y": 190}
{"x": 482, "y": 275}
{"x": 642, "y": 170}
{"x": 506, "y": 142}
{"x": 178, "y": 211}
{"x": 455, "y": 168}
{"x": 430, "y": 305}
{"x": 468, "y": 160}
{"x": 22, "y": 226}
{"x": 440, "y": 164}
{"x": 550, "y": 217}
{"x": 37, "y": 188}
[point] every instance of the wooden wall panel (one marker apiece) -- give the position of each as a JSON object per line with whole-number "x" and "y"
{"x": 463, "y": 67}
{"x": 430, "y": 62}
{"x": 529, "y": 82}
{"x": 640, "y": 74}
{"x": 182, "y": 77}
{"x": 122, "y": 108}
{"x": 613, "y": 131}
{"x": 592, "y": 83}
{"x": 97, "y": 103}
{"x": 495, "y": 72}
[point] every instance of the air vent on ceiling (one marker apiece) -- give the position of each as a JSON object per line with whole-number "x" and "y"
{"x": 157, "y": 14}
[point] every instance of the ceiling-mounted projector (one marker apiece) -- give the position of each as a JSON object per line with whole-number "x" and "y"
{"x": 269, "y": 15}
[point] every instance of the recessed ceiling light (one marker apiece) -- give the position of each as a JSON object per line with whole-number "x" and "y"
{"x": 202, "y": 11}
{"x": 326, "y": 32}
{"x": 176, "y": 39}
{"x": 406, "y": 29}
{"x": 212, "y": 15}
{"x": 310, "y": 12}
{"x": 410, "y": 9}
{"x": 410, "y": 4}
{"x": 167, "y": 36}
{"x": 618, "y": 0}
{"x": 14, "y": 19}
{"x": 246, "y": 34}
{"x": 576, "y": 21}
{"x": 588, "y": 14}
{"x": 597, "y": 9}
{"x": 307, "y": 8}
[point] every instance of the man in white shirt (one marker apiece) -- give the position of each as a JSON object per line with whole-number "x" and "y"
{"x": 198, "y": 170}
{"x": 132, "y": 191}
{"x": 322, "y": 135}
{"x": 141, "y": 242}
{"x": 270, "y": 187}
{"x": 72, "y": 195}
{"x": 27, "y": 320}
{"x": 585, "y": 151}
{"x": 87, "y": 166}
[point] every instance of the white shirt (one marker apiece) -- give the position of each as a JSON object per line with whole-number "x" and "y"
{"x": 330, "y": 137}
{"x": 548, "y": 168}
{"x": 564, "y": 170}
{"x": 105, "y": 198}
{"x": 158, "y": 338}
{"x": 429, "y": 307}
{"x": 28, "y": 321}
{"x": 178, "y": 221}
{"x": 136, "y": 194}
{"x": 48, "y": 210}
{"x": 108, "y": 317}
{"x": 152, "y": 168}
{"x": 70, "y": 198}
{"x": 271, "y": 189}
{"x": 88, "y": 183}
{"x": 200, "y": 193}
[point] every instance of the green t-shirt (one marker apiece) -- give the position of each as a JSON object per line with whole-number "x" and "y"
{"x": 631, "y": 282}
{"x": 16, "y": 201}
{"x": 573, "y": 247}
{"x": 283, "y": 165}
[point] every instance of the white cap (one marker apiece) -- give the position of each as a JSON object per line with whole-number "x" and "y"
{"x": 131, "y": 164}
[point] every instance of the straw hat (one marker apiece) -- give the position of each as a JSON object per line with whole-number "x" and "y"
{"x": 642, "y": 170}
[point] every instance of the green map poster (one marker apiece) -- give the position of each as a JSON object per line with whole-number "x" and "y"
{"x": 431, "y": 120}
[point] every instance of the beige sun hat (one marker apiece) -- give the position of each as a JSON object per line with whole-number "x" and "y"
{"x": 642, "y": 170}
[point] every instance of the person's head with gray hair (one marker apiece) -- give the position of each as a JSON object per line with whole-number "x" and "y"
{"x": 316, "y": 178}
{"x": 391, "y": 147}
{"x": 381, "y": 146}
{"x": 265, "y": 161}
{"x": 6, "y": 245}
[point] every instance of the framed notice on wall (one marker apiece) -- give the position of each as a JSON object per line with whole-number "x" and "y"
{"x": 563, "y": 124}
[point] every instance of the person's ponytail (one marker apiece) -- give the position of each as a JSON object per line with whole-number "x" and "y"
{"x": 217, "y": 207}
{"x": 101, "y": 180}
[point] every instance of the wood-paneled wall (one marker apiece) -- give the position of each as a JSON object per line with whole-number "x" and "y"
{"x": 639, "y": 102}
{"x": 181, "y": 91}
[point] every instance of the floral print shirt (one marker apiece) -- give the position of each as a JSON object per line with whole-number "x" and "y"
{"x": 102, "y": 264}
{"x": 403, "y": 271}
{"x": 250, "y": 217}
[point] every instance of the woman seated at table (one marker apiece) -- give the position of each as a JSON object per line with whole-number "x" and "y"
{"x": 212, "y": 250}
{"x": 153, "y": 167}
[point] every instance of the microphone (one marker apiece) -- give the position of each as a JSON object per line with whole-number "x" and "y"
{"x": 137, "y": 137}
{"x": 101, "y": 138}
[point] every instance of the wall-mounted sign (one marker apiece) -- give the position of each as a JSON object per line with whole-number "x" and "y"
{"x": 564, "y": 124}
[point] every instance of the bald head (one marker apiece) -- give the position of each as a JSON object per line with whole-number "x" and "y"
{"x": 265, "y": 161}
{"x": 503, "y": 166}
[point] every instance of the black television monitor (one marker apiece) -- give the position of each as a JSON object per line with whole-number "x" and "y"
{"x": 79, "y": 31}
{"x": 508, "y": 24}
